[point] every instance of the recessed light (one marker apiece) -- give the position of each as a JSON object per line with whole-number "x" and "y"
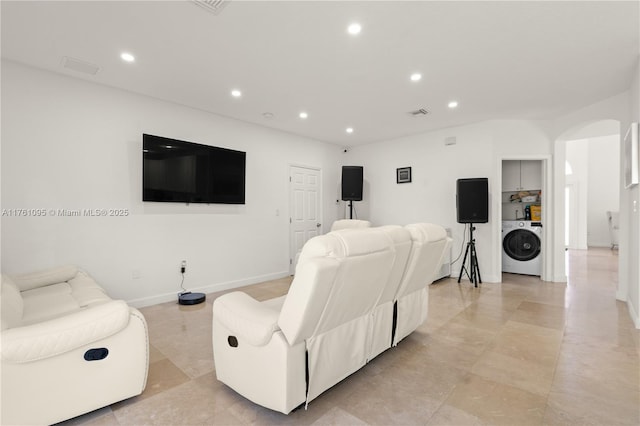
{"x": 236, "y": 93}
{"x": 354, "y": 28}
{"x": 303, "y": 115}
{"x": 349, "y": 130}
{"x": 452, "y": 104}
{"x": 267, "y": 114}
{"x": 416, "y": 76}
{"x": 127, "y": 57}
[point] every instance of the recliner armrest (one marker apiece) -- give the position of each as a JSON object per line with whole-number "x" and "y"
{"x": 60, "y": 335}
{"x": 248, "y": 318}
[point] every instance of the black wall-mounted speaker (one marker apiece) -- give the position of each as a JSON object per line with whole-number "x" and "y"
{"x": 472, "y": 200}
{"x": 352, "y": 183}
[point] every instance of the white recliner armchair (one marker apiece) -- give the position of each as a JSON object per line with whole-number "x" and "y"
{"x": 67, "y": 348}
{"x": 340, "y": 312}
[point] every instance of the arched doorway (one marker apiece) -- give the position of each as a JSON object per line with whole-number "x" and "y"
{"x": 591, "y": 151}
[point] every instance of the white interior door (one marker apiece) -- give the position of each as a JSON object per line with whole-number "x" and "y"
{"x": 305, "y": 210}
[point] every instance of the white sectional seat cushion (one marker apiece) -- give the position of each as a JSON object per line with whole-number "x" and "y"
{"x": 340, "y": 313}
{"x": 67, "y": 347}
{"x": 62, "y": 298}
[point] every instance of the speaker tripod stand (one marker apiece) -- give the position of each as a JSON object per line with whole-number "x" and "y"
{"x": 473, "y": 272}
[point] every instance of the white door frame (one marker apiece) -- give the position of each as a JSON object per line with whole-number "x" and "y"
{"x": 572, "y": 214}
{"x": 547, "y": 213}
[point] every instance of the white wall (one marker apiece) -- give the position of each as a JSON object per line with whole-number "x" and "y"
{"x": 603, "y": 194}
{"x": 431, "y": 196}
{"x": 69, "y": 144}
{"x": 629, "y": 289}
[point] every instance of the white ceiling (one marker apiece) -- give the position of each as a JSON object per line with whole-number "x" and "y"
{"x": 527, "y": 60}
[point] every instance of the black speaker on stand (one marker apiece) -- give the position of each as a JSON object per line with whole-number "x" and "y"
{"x": 352, "y": 177}
{"x": 472, "y": 203}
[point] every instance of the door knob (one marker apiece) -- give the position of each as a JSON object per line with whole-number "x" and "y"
{"x": 318, "y": 225}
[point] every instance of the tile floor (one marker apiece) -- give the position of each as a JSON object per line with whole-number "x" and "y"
{"x": 517, "y": 353}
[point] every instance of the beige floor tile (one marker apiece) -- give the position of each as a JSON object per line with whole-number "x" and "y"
{"x": 506, "y": 302}
{"x": 540, "y": 314}
{"x": 496, "y": 403}
{"x": 163, "y": 375}
{"x": 591, "y": 358}
{"x": 522, "y": 374}
{"x": 183, "y": 335}
{"x": 337, "y": 416}
{"x": 554, "y": 416}
{"x": 199, "y": 401}
{"x": 442, "y": 350}
{"x": 609, "y": 328}
{"x": 550, "y": 294}
{"x": 448, "y": 415}
{"x": 155, "y": 354}
{"x": 102, "y": 416}
{"x": 485, "y": 317}
{"x": 474, "y": 339}
{"x": 603, "y": 402}
{"x": 386, "y": 403}
{"x": 414, "y": 374}
{"x": 527, "y": 342}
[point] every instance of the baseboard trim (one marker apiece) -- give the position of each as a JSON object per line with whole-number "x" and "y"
{"x": 173, "y": 297}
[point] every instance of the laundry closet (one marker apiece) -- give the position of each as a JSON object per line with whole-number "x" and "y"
{"x": 522, "y": 204}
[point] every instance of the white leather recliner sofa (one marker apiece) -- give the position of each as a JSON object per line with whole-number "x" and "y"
{"x": 349, "y": 224}
{"x": 67, "y": 348}
{"x": 355, "y": 294}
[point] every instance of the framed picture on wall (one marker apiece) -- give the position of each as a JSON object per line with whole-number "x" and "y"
{"x": 631, "y": 156}
{"x": 403, "y": 175}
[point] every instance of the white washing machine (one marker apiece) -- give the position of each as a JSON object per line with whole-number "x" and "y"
{"x": 521, "y": 247}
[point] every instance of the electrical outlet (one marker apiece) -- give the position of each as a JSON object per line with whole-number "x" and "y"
{"x": 183, "y": 267}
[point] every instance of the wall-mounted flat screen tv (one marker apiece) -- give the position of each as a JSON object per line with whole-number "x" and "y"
{"x": 176, "y": 171}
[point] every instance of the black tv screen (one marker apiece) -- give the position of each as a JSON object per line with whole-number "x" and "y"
{"x": 185, "y": 172}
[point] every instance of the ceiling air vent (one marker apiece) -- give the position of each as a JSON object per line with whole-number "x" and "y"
{"x": 213, "y": 6}
{"x": 79, "y": 66}
{"x": 420, "y": 111}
